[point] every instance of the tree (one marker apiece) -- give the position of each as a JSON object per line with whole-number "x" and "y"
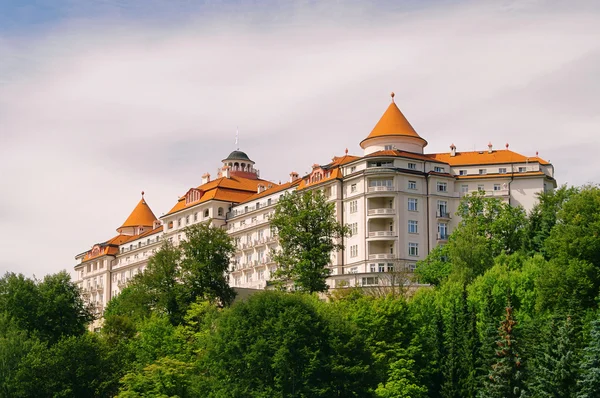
{"x": 166, "y": 377}
{"x": 401, "y": 382}
{"x": 308, "y": 234}
{"x": 505, "y": 378}
{"x": 555, "y": 371}
{"x": 49, "y": 309}
{"x": 206, "y": 254}
{"x": 436, "y": 267}
{"x": 284, "y": 345}
{"x": 589, "y": 382}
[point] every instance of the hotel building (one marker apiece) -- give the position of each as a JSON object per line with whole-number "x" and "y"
{"x": 398, "y": 201}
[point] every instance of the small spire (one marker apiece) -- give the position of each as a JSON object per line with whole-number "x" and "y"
{"x": 392, "y": 95}
{"x": 537, "y": 153}
{"x": 507, "y": 146}
{"x": 142, "y": 194}
{"x": 346, "y": 151}
{"x": 237, "y": 138}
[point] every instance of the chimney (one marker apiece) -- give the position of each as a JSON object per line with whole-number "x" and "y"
{"x": 452, "y": 150}
{"x": 490, "y": 147}
{"x": 226, "y": 172}
{"x": 261, "y": 188}
{"x": 293, "y": 176}
{"x": 205, "y": 178}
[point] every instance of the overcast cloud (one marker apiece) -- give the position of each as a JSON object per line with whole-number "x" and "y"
{"x": 99, "y": 104}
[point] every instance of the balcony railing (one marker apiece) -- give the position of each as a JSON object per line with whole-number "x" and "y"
{"x": 382, "y": 256}
{"x": 379, "y": 234}
{"x": 374, "y": 212}
{"x": 441, "y": 236}
{"x": 381, "y": 189}
{"x": 443, "y": 214}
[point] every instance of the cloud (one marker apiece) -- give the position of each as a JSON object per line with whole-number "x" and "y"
{"x": 95, "y": 109}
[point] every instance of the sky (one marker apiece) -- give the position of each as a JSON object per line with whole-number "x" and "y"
{"x": 100, "y": 100}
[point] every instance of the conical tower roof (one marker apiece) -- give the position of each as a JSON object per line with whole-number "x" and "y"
{"x": 393, "y": 123}
{"x": 141, "y": 216}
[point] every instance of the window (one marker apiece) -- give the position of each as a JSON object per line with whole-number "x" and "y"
{"x": 412, "y": 227}
{"x": 480, "y": 187}
{"x": 352, "y": 169}
{"x": 248, "y": 259}
{"x": 253, "y": 219}
{"x": 195, "y": 216}
{"x": 248, "y": 277}
{"x": 442, "y": 208}
{"x": 502, "y": 170}
{"x": 353, "y": 206}
{"x": 482, "y": 171}
{"x": 373, "y": 267}
{"x": 206, "y": 213}
{"x": 439, "y": 169}
{"x": 411, "y": 267}
{"x": 220, "y": 212}
{"x": 381, "y": 267}
{"x": 388, "y": 147}
{"x": 261, "y": 275}
{"x": 413, "y": 249}
{"x": 442, "y": 230}
{"x": 412, "y": 166}
{"x": 179, "y": 222}
{"x": 412, "y": 204}
{"x": 462, "y": 172}
{"x": 381, "y": 163}
{"x": 497, "y": 187}
{"x": 412, "y": 185}
{"x": 370, "y": 280}
{"x": 354, "y": 251}
{"x": 464, "y": 188}
{"x": 354, "y": 228}
{"x": 390, "y": 267}
{"x": 187, "y": 220}
{"x": 381, "y": 185}
{"x": 442, "y": 187}
{"x": 353, "y": 188}
{"x": 522, "y": 169}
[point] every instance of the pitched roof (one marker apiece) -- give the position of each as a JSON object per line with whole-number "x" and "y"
{"x": 141, "y": 216}
{"x": 335, "y": 174}
{"x": 276, "y": 188}
{"x": 393, "y": 123}
{"x": 234, "y": 189}
{"x": 484, "y": 157}
{"x": 110, "y": 247}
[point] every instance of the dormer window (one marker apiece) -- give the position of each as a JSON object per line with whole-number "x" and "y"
{"x": 388, "y": 147}
{"x": 192, "y": 196}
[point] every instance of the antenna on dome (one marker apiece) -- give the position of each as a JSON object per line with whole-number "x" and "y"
{"x": 237, "y": 138}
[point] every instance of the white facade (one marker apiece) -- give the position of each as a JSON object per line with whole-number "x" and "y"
{"x": 398, "y": 201}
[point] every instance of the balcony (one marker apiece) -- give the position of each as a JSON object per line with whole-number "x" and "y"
{"x": 381, "y": 189}
{"x": 382, "y": 256}
{"x": 382, "y": 234}
{"x": 443, "y": 214}
{"x": 381, "y": 212}
{"x": 442, "y": 236}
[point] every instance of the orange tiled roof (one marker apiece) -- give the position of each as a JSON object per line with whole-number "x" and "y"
{"x": 234, "y": 189}
{"x": 507, "y": 175}
{"x": 342, "y": 160}
{"x": 141, "y": 216}
{"x": 335, "y": 174}
{"x": 393, "y": 123}
{"x": 403, "y": 154}
{"x": 484, "y": 157}
{"x": 274, "y": 189}
{"x": 110, "y": 247}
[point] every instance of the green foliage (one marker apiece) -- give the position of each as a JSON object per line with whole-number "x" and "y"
{"x": 164, "y": 378}
{"x": 205, "y": 264}
{"x": 401, "y": 382}
{"x": 435, "y": 268}
{"x": 48, "y": 309}
{"x": 506, "y": 377}
{"x": 589, "y": 382}
{"x": 308, "y": 234}
{"x": 555, "y": 371}
{"x": 282, "y": 345}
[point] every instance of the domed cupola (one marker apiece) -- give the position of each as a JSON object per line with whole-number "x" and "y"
{"x": 239, "y": 164}
{"x": 393, "y": 131}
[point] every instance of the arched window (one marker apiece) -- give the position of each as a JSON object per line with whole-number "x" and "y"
{"x": 205, "y": 213}
{"x": 220, "y": 212}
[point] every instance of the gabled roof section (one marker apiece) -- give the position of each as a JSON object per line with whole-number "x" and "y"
{"x": 276, "y": 188}
{"x": 393, "y": 123}
{"x": 141, "y": 216}
{"x": 403, "y": 154}
{"x": 234, "y": 189}
{"x": 333, "y": 175}
{"x": 484, "y": 158}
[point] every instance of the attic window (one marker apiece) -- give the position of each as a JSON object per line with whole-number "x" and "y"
{"x": 388, "y": 147}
